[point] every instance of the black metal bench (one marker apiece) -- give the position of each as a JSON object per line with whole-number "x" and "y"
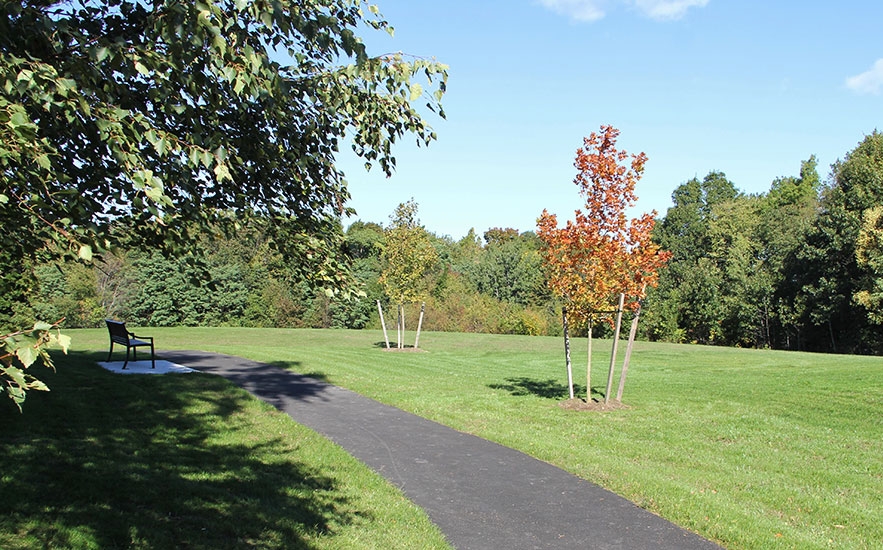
{"x": 119, "y": 335}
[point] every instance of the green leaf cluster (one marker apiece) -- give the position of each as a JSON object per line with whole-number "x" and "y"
{"x": 20, "y": 350}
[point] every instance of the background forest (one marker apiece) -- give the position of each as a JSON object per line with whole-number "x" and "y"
{"x": 798, "y": 267}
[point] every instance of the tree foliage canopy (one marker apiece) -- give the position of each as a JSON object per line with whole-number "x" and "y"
{"x": 407, "y": 256}
{"x": 165, "y": 113}
{"x": 601, "y": 253}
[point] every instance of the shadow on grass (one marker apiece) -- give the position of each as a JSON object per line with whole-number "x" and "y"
{"x": 546, "y": 389}
{"x": 393, "y": 346}
{"x": 111, "y": 461}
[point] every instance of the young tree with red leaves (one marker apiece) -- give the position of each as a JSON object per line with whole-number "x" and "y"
{"x": 601, "y": 253}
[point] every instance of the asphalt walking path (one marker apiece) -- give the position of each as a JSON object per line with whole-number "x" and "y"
{"x": 480, "y": 494}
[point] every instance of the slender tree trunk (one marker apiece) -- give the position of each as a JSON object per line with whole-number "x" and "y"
{"x": 567, "y": 351}
{"x": 613, "y": 352}
{"x": 769, "y": 337}
{"x": 419, "y": 325}
{"x": 628, "y": 354}
{"x": 383, "y": 324}
{"x": 831, "y": 332}
{"x": 589, "y": 362}
{"x": 401, "y": 343}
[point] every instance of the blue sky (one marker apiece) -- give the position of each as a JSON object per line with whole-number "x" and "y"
{"x": 750, "y": 88}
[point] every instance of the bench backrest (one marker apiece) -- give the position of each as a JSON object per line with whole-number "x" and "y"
{"x": 118, "y": 332}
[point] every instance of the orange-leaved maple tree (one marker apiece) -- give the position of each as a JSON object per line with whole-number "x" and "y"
{"x": 601, "y": 254}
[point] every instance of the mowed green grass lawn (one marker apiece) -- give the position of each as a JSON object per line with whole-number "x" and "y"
{"x": 750, "y": 448}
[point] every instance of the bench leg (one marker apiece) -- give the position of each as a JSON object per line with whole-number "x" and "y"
{"x": 110, "y": 352}
{"x": 127, "y": 358}
{"x": 152, "y": 356}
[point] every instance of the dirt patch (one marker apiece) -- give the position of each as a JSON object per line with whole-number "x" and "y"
{"x": 577, "y": 404}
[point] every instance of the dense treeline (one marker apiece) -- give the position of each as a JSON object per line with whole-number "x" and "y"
{"x": 798, "y": 267}
{"x": 794, "y": 268}
{"x": 495, "y": 286}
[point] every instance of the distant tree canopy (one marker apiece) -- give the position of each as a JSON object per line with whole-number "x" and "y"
{"x": 510, "y": 268}
{"x": 142, "y": 123}
{"x": 795, "y": 268}
{"x": 829, "y": 267}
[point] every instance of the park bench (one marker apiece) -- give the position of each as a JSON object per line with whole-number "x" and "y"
{"x": 119, "y": 335}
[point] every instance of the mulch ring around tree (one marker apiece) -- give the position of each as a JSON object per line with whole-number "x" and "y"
{"x": 577, "y": 404}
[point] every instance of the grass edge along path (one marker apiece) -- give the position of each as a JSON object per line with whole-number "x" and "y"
{"x": 183, "y": 460}
{"x": 753, "y": 449}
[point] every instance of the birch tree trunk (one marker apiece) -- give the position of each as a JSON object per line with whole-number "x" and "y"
{"x": 567, "y": 351}
{"x": 613, "y": 352}
{"x": 401, "y": 327}
{"x": 383, "y": 324}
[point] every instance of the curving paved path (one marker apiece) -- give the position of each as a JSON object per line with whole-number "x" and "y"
{"x": 480, "y": 494}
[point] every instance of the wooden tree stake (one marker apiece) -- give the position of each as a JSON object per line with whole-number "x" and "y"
{"x": 589, "y": 361}
{"x": 613, "y": 352}
{"x": 383, "y": 324}
{"x": 628, "y": 354}
{"x": 419, "y": 325}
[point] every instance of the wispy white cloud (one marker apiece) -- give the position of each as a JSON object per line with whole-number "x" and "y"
{"x": 592, "y": 10}
{"x": 667, "y": 9}
{"x": 580, "y": 10}
{"x": 868, "y": 82}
